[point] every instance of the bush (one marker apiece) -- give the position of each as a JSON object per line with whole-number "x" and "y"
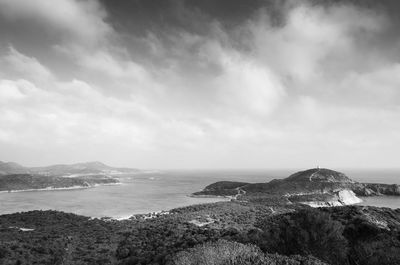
{"x": 221, "y": 252}
{"x": 3, "y": 252}
{"x": 305, "y": 232}
{"x": 225, "y": 252}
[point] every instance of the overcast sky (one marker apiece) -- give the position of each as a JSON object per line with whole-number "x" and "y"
{"x": 200, "y": 84}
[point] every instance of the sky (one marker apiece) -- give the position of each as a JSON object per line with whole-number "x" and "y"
{"x": 200, "y": 84}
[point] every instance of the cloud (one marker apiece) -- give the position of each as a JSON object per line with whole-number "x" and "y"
{"x": 314, "y": 86}
{"x": 246, "y": 86}
{"x": 80, "y": 20}
{"x": 312, "y": 37}
{"x": 377, "y": 88}
{"x": 22, "y": 65}
{"x": 10, "y": 91}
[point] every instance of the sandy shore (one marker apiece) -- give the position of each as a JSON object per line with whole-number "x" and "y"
{"x": 62, "y": 188}
{"x": 48, "y": 189}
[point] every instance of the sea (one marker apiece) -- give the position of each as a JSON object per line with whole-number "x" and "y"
{"x": 155, "y": 191}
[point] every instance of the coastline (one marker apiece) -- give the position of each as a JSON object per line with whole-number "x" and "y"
{"x": 173, "y": 195}
{"x": 149, "y": 213}
{"x": 47, "y": 189}
{"x": 154, "y": 214}
{"x": 210, "y": 196}
{"x": 61, "y": 188}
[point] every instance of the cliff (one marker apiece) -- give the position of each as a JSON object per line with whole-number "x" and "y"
{"x": 376, "y": 189}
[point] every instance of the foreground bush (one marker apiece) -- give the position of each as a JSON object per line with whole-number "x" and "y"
{"x": 221, "y": 252}
{"x": 305, "y": 232}
{"x": 225, "y": 252}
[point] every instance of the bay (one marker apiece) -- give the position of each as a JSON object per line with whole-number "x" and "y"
{"x": 163, "y": 190}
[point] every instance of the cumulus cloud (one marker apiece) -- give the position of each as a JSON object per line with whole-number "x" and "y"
{"x": 313, "y": 38}
{"x": 313, "y": 88}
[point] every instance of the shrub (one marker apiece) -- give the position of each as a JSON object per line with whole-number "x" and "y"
{"x": 225, "y": 252}
{"x": 305, "y": 232}
{"x": 3, "y": 252}
{"x": 221, "y": 252}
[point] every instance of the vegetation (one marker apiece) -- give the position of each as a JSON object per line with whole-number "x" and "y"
{"x": 258, "y": 234}
{"x": 305, "y": 232}
{"x": 222, "y": 185}
{"x": 9, "y": 168}
{"x": 57, "y": 238}
{"x": 319, "y": 174}
{"x": 261, "y": 227}
{"x": 220, "y": 253}
{"x": 29, "y": 181}
{"x": 373, "y": 234}
{"x": 313, "y": 185}
{"x": 225, "y": 252}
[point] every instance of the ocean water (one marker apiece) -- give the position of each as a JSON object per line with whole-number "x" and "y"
{"x": 388, "y": 176}
{"x": 157, "y": 191}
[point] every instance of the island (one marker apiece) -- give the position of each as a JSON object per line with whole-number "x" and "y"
{"x": 275, "y": 223}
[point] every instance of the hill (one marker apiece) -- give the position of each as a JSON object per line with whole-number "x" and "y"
{"x": 14, "y": 177}
{"x": 11, "y": 168}
{"x": 315, "y": 187}
{"x": 20, "y": 182}
{"x": 7, "y": 168}
{"x": 80, "y": 168}
{"x": 319, "y": 175}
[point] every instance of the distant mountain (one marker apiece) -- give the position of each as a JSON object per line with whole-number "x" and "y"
{"x": 7, "y": 168}
{"x": 12, "y": 168}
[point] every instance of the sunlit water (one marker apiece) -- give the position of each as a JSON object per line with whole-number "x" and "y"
{"x": 143, "y": 193}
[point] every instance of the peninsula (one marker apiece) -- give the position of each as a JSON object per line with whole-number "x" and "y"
{"x": 14, "y": 177}
{"x": 316, "y": 187}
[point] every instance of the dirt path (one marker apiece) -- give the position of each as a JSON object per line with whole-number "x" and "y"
{"x": 312, "y": 175}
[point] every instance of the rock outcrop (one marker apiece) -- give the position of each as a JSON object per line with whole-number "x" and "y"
{"x": 376, "y": 189}
{"x": 338, "y": 198}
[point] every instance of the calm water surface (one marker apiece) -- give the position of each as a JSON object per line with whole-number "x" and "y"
{"x": 138, "y": 193}
{"x": 148, "y": 192}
